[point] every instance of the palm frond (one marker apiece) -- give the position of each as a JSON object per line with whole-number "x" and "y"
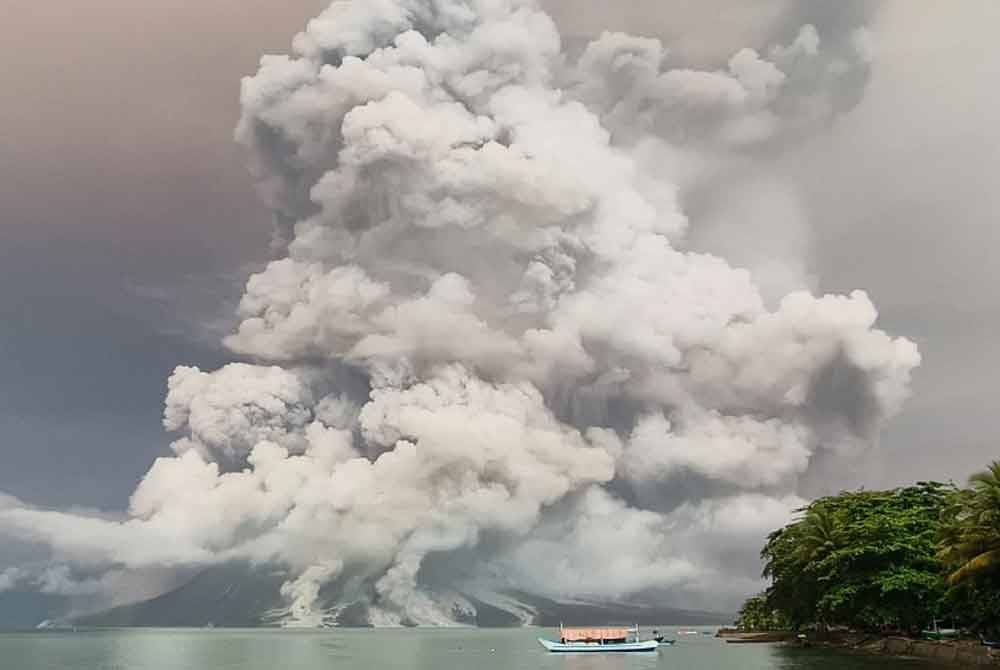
{"x": 988, "y": 560}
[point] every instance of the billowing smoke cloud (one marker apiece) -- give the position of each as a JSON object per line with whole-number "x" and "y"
{"x": 490, "y": 354}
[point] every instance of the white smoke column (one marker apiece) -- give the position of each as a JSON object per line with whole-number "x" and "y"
{"x": 485, "y": 329}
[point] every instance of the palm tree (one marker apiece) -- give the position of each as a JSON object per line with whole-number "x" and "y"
{"x": 818, "y": 536}
{"x": 791, "y": 560}
{"x": 971, "y": 542}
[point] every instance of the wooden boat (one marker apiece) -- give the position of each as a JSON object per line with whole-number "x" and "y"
{"x": 601, "y": 640}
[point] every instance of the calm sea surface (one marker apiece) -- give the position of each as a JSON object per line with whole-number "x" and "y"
{"x": 421, "y": 649}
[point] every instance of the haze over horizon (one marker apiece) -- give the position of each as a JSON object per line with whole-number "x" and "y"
{"x": 558, "y": 286}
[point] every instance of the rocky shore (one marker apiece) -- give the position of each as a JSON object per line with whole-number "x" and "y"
{"x": 957, "y": 652}
{"x": 969, "y": 653}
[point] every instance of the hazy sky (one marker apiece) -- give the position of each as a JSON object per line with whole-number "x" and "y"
{"x": 126, "y": 215}
{"x": 128, "y": 220}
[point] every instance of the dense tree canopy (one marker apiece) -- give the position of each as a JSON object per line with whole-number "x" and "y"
{"x": 757, "y": 614}
{"x": 895, "y": 559}
{"x": 865, "y": 558}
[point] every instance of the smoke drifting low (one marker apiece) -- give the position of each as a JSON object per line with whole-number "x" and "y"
{"x": 487, "y": 355}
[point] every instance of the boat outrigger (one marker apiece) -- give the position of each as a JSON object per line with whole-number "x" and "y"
{"x": 602, "y": 640}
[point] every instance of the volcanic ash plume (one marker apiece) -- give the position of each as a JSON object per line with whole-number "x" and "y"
{"x": 486, "y": 357}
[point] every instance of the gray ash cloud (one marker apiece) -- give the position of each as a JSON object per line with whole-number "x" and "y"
{"x": 496, "y": 339}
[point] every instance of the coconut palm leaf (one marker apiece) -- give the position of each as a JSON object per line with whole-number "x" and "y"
{"x": 984, "y": 562}
{"x": 970, "y": 538}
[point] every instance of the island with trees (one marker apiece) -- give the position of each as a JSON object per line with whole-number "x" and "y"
{"x": 911, "y": 561}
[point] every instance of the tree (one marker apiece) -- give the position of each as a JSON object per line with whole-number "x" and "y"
{"x": 818, "y": 534}
{"x": 898, "y": 558}
{"x": 757, "y": 615}
{"x": 864, "y": 559}
{"x": 794, "y": 587}
{"x": 969, "y": 548}
{"x": 971, "y": 540}
{"x": 791, "y": 557}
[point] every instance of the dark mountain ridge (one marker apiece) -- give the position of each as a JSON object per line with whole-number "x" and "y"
{"x": 240, "y": 595}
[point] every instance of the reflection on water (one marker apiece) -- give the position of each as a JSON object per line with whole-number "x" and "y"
{"x": 610, "y": 661}
{"x": 425, "y": 649}
{"x": 819, "y": 659}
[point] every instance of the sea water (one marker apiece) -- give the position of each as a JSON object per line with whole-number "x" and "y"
{"x": 390, "y": 649}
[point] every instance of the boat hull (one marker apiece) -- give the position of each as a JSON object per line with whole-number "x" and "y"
{"x": 592, "y": 647}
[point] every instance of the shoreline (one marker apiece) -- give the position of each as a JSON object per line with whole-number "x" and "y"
{"x": 967, "y": 653}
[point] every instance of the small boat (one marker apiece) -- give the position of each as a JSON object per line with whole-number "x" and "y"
{"x": 938, "y": 633}
{"x": 602, "y": 640}
{"x": 687, "y": 631}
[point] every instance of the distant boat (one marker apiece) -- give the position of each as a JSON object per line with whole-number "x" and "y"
{"x": 688, "y": 631}
{"x": 602, "y": 640}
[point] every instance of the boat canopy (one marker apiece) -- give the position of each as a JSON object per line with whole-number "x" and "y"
{"x": 583, "y": 634}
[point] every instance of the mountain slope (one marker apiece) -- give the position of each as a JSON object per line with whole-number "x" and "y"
{"x": 23, "y": 610}
{"x": 240, "y": 595}
{"x": 234, "y": 595}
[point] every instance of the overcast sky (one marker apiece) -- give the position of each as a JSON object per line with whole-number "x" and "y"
{"x": 128, "y": 220}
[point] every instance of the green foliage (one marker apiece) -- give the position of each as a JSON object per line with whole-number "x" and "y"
{"x": 970, "y": 550}
{"x": 757, "y": 615}
{"x": 865, "y": 559}
{"x": 888, "y": 559}
{"x": 970, "y": 545}
{"x": 975, "y": 604}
